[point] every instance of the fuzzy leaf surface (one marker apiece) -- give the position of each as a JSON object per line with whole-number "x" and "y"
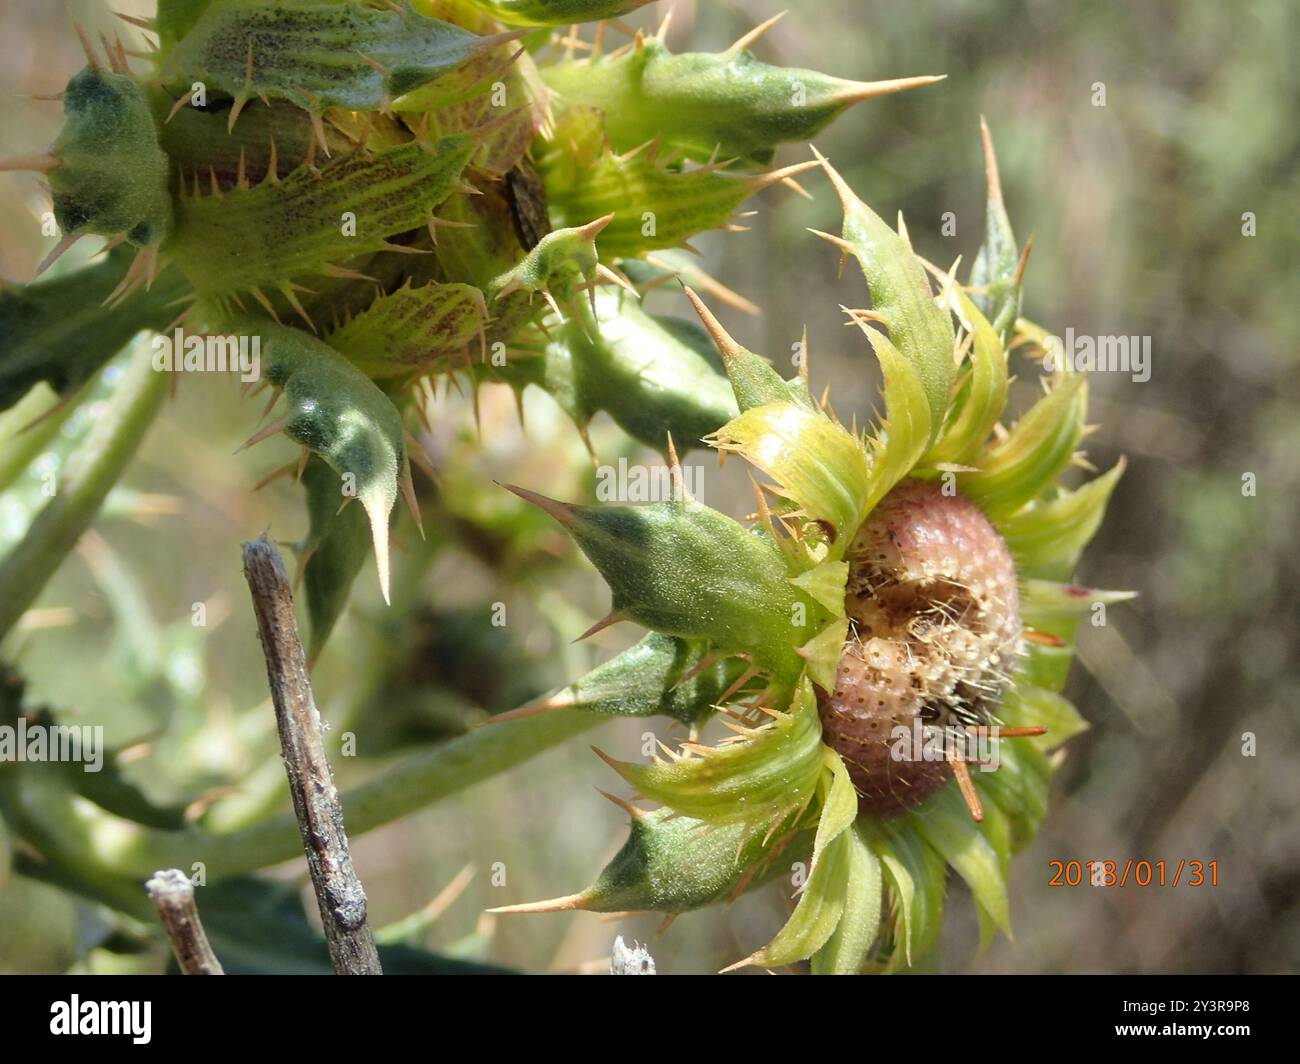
{"x": 262, "y": 236}
{"x": 315, "y": 54}
{"x": 686, "y": 570}
{"x": 699, "y": 102}
{"x": 661, "y": 674}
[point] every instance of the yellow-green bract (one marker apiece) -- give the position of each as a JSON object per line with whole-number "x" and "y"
{"x": 557, "y": 12}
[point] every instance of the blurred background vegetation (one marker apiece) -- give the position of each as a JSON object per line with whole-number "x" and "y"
{"x": 1136, "y": 210}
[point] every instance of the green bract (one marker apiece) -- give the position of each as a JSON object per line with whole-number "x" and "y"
{"x": 338, "y": 414}
{"x": 111, "y": 175}
{"x": 280, "y": 231}
{"x": 656, "y": 377}
{"x": 725, "y": 106}
{"x": 318, "y": 55}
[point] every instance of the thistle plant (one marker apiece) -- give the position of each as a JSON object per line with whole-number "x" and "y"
{"x": 395, "y": 198}
{"x": 386, "y": 194}
{"x": 897, "y": 614}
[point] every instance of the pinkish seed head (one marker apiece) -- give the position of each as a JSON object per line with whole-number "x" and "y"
{"x": 934, "y": 616}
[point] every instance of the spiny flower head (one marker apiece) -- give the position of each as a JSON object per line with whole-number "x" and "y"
{"x": 389, "y": 192}
{"x": 895, "y": 613}
{"x": 934, "y": 612}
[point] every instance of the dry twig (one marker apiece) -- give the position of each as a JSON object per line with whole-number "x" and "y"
{"x": 316, "y": 803}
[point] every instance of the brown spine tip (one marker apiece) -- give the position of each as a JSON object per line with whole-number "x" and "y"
{"x": 991, "y": 175}
{"x": 724, "y": 341}
{"x": 781, "y": 176}
{"x": 36, "y": 164}
{"x": 605, "y": 622}
{"x": 550, "y": 704}
{"x": 554, "y": 905}
{"x": 563, "y": 512}
{"x": 486, "y": 44}
{"x": 593, "y": 229}
{"x": 857, "y": 91}
{"x": 967, "y": 788}
{"x": 623, "y": 804}
{"x": 753, "y": 35}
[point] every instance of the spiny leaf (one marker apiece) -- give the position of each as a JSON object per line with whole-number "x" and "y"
{"x": 112, "y": 176}
{"x": 654, "y": 205}
{"x": 899, "y": 442}
{"x": 647, "y": 373}
{"x": 900, "y": 297}
{"x": 825, "y": 894}
{"x": 661, "y": 674}
{"x": 484, "y": 244}
{"x": 501, "y": 62}
{"x": 340, "y": 415}
{"x": 686, "y": 570}
{"x": 1046, "y": 538}
{"x": 1044, "y": 666}
{"x": 260, "y": 237}
{"x": 503, "y": 103}
{"x": 846, "y": 951}
{"x": 840, "y": 799}
{"x": 761, "y": 779}
{"x": 201, "y": 142}
{"x": 916, "y": 875}
{"x": 410, "y": 330}
{"x": 319, "y": 55}
{"x": 818, "y": 914}
{"x": 823, "y": 651}
{"x": 996, "y": 270}
{"x": 946, "y": 824}
{"x": 1020, "y": 787}
{"x": 175, "y": 18}
{"x": 1025, "y": 706}
{"x": 562, "y": 262}
{"x": 816, "y": 463}
{"x": 1049, "y": 606}
{"x": 729, "y": 103}
{"x": 752, "y": 377}
{"x": 673, "y": 864}
{"x": 997, "y": 829}
{"x": 1034, "y": 453}
{"x": 982, "y": 397}
{"x": 825, "y": 582}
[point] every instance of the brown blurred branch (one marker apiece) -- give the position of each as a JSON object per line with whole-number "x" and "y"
{"x": 316, "y": 803}
{"x": 173, "y": 896}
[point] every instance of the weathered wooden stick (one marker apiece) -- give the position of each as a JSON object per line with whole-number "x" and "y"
{"x": 316, "y": 803}
{"x": 173, "y": 896}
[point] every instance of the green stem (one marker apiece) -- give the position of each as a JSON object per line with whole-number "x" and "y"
{"x": 27, "y": 429}
{"x": 86, "y": 482}
{"x": 84, "y": 837}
